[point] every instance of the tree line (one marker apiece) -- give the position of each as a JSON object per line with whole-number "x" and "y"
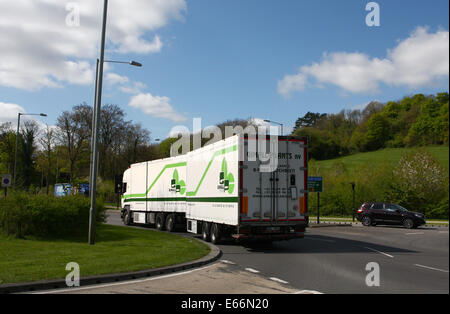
{"x": 61, "y": 154}
{"x": 417, "y": 120}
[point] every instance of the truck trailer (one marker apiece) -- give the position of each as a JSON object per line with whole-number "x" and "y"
{"x": 222, "y": 190}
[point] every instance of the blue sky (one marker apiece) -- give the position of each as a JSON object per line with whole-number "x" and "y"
{"x": 222, "y": 60}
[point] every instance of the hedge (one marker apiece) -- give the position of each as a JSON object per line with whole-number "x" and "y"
{"x": 23, "y": 214}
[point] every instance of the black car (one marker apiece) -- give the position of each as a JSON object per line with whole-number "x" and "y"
{"x": 371, "y": 214}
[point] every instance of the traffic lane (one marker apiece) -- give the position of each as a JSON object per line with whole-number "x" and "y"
{"x": 425, "y": 238}
{"x": 337, "y": 265}
{"x": 431, "y": 245}
{"x": 328, "y": 263}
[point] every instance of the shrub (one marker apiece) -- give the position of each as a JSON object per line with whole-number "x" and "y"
{"x": 23, "y": 214}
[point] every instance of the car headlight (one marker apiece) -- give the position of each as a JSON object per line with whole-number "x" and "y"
{"x": 418, "y": 215}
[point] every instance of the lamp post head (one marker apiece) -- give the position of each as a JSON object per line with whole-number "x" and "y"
{"x": 43, "y": 115}
{"x": 136, "y": 64}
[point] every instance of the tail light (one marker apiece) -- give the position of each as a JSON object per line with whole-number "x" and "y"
{"x": 360, "y": 210}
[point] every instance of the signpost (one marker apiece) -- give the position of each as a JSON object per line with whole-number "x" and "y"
{"x": 6, "y": 182}
{"x": 315, "y": 184}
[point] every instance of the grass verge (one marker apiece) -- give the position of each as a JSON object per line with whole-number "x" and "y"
{"x": 117, "y": 249}
{"x": 313, "y": 219}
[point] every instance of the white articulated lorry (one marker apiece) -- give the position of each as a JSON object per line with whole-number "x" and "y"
{"x": 221, "y": 190}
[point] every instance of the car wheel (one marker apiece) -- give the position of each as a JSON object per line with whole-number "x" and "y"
{"x": 160, "y": 222}
{"x": 206, "y": 236}
{"x": 215, "y": 233}
{"x": 170, "y": 223}
{"x": 408, "y": 223}
{"x": 367, "y": 221}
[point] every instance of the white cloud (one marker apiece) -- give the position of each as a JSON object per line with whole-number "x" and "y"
{"x": 114, "y": 78}
{"x": 420, "y": 60}
{"x": 9, "y": 112}
{"x": 125, "y": 85}
{"x": 39, "y": 50}
{"x": 134, "y": 88}
{"x": 156, "y": 106}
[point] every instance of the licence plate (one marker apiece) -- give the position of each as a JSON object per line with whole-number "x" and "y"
{"x": 273, "y": 229}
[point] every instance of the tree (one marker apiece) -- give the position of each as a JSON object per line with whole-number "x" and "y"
{"x": 74, "y": 130}
{"x": 28, "y": 153}
{"x": 377, "y": 132}
{"x": 47, "y": 141}
{"x": 419, "y": 181}
{"x": 7, "y": 147}
{"x": 308, "y": 120}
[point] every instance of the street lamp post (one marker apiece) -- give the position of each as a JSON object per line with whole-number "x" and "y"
{"x": 94, "y": 112}
{"x": 280, "y": 124}
{"x": 96, "y": 121}
{"x": 17, "y": 139}
{"x": 98, "y": 101}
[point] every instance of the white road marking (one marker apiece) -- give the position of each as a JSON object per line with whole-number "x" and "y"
{"x": 307, "y": 292}
{"x": 252, "y": 270}
{"x": 385, "y": 254}
{"x": 412, "y": 233}
{"x": 442, "y": 231}
{"x": 122, "y": 283}
{"x": 227, "y": 262}
{"x": 432, "y": 268}
{"x": 278, "y": 280}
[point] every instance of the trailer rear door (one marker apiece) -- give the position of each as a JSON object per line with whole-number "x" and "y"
{"x": 279, "y": 196}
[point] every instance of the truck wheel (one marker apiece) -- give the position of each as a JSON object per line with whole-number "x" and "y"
{"x": 170, "y": 223}
{"x": 127, "y": 218}
{"x": 206, "y": 235}
{"x": 160, "y": 222}
{"x": 215, "y": 233}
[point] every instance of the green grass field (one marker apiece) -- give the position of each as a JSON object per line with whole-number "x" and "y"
{"x": 389, "y": 157}
{"x": 117, "y": 249}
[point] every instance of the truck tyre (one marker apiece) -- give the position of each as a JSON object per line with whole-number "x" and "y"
{"x": 170, "y": 223}
{"x": 206, "y": 235}
{"x": 127, "y": 218}
{"x": 160, "y": 222}
{"x": 367, "y": 221}
{"x": 215, "y": 233}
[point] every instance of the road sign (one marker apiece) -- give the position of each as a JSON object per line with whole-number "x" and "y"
{"x": 6, "y": 180}
{"x": 315, "y": 184}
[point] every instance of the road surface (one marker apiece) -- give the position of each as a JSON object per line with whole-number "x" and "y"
{"x": 327, "y": 260}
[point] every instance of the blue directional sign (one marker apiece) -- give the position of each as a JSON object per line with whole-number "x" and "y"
{"x": 315, "y": 184}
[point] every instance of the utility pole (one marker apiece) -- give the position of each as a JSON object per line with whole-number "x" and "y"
{"x": 98, "y": 102}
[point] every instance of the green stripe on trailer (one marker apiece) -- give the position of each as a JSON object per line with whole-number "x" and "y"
{"x": 212, "y": 199}
{"x": 218, "y": 153}
{"x": 183, "y": 164}
{"x": 179, "y": 164}
{"x": 156, "y": 199}
{"x": 188, "y": 199}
